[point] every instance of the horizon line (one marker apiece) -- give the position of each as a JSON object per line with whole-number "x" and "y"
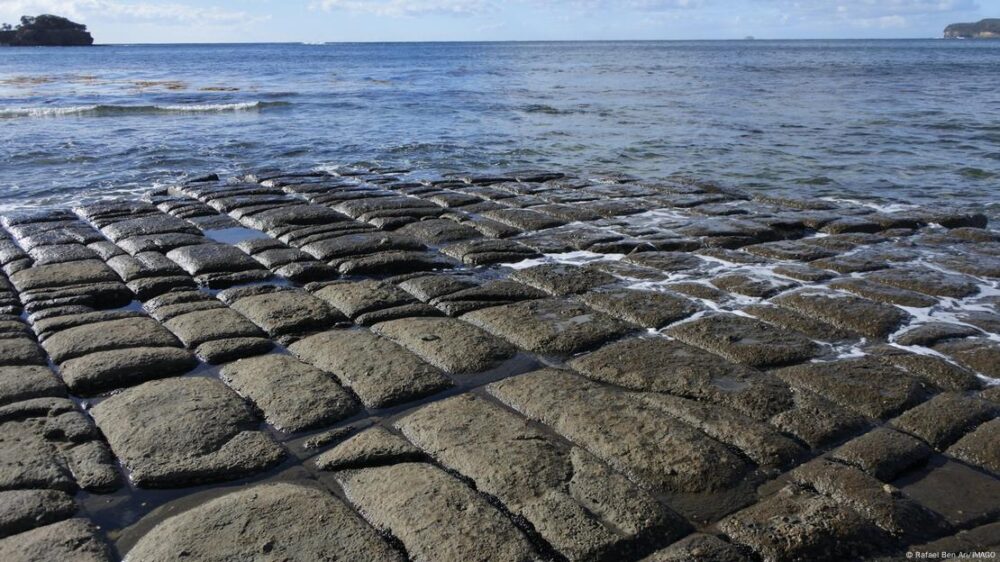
{"x": 749, "y": 39}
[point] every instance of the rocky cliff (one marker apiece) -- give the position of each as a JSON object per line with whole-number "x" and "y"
{"x": 984, "y": 29}
{"x": 45, "y": 30}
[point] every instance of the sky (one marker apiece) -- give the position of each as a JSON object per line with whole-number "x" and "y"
{"x": 214, "y": 21}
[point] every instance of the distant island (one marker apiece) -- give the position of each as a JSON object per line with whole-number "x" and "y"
{"x": 985, "y": 29}
{"x": 45, "y": 31}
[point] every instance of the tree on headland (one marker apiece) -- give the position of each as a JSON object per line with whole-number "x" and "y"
{"x": 43, "y": 30}
{"x": 983, "y": 29}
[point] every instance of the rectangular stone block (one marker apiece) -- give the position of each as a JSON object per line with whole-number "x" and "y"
{"x": 865, "y": 317}
{"x": 300, "y": 521}
{"x": 63, "y": 275}
{"x": 657, "y": 364}
{"x": 745, "y": 340}
{"x": 640, "y": 441}
{"x": 580, "y": 507}
{"x": 18, "y": 383}
{"x": 283, "y": 313}
{"x": 945, "y": 418}
{"x": 551, "y": 326}
{"x": 402, "y": 498}
{"x": 646, "y": 309}
{"x": 379, "y": 371}
{"x": 47, "y": 443}
{"x": 208, "y": 258}
{"x": 449, "y": 344}
{"x": 559, "y": 279}
{"x": 796, "y": 524}
{"x": 292, "y": 395}
{"x": 183, "y": 431}
{"x": 866, "y": 386}
{"x": 196, "y": 328}
{"x": 105, "y": 336}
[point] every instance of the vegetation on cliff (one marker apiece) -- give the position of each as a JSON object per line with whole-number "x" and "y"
{"x": 45, "y": 30}
{"x": 984, "y": 29}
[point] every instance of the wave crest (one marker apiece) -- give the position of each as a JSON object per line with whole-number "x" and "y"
{"x": 111, "y": 110}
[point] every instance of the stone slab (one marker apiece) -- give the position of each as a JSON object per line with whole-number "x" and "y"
{"x": 23, "y": 510}
{"x": 48, "y": 443}
{"x": 817, "y": 421}
{"x": 646, "y": 309}
{"x": 661, "y": 365}
{"x": 287, "y": 312}
{"x": 25, "y": 382}
{"x": 449, "y": 344}
{"x": 868, "y": 318}
{"x": 74, "y": 539}
{"x": 379, "y": 371}
{"x": 551, "y": 326}
{"x": 883, "y": 452}
{"x": 798, "y": 525}
{"x": 866, "y": 386}
{"x": 182, "y": 431}
{"x": 354, "y": 298}
{"x": 292, "y": 395}
{"x": 196, "y": 328}
{"x": 63, "y": 275}
{"x": 116, "y": 368}
{"x": 275, "y": 521}
{"x": 642, "y": 442}
{"x": 881, "y": 504}
{"x": 927, "y": 281}
{"x": 577, "y": 505}
{"x": 402, "y": 498}
{"x": 212, "y": 258}
{"x": 558, "y": 279}
{"x": 980, "y": 447}
{"x": 106, "y": 336}
{"x": 945, "y": 418}
{"x": 745, "y": 340}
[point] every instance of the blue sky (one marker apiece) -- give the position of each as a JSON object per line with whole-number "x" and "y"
{"x": 165, "y": 21}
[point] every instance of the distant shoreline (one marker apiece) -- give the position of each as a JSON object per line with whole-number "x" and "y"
{"x": 510, "y": 42}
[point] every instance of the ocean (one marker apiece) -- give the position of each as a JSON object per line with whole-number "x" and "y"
{"x": 887, "y": 122}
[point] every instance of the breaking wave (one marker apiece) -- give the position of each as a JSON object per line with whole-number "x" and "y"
{"x": 112, "y": 110}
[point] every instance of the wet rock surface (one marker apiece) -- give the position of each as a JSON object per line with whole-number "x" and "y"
{"x": 73, "y": 539}
{"x": 549, "y": 326}
{"x": 292, "y": 395}
{"x": 381, "y": 372}
{"x": 272, "y": 521}
{"x": 375, "y": 364}
{"x": 447, "y": 343}
{"x": 184, "y": 430}
{"x": 745, "y": 341}
{"x": 466, "y": 526}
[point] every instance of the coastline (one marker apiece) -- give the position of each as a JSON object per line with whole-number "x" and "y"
{"x": 546, "y": 366}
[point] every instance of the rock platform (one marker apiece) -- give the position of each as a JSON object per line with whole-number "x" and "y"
{"x": 376, "y": 364}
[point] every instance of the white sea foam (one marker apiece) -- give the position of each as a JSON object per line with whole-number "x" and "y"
{"x": 106, "y": 110}
{"x": 570, "y": 258}
{"x": 45, "y": 111}
{"x": 880, "y": 207}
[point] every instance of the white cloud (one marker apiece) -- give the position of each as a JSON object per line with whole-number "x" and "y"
{"x": 871, "y": 14}
{"x": 874, "y": 9}
{"x": 397, "y": 8}
{"x": 163, "y": 13}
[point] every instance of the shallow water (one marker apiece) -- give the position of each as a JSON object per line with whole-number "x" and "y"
{"x": 890, "y": 122}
